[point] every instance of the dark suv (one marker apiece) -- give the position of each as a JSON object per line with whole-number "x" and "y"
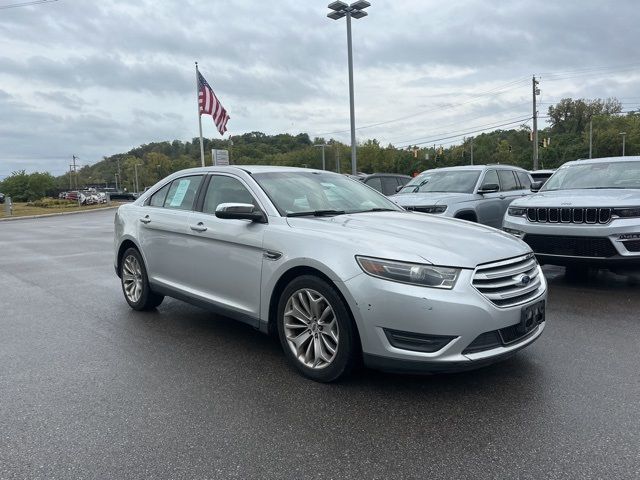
{"x": 385, "y": 183}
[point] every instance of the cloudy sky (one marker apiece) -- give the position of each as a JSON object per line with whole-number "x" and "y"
{"x": 97, "y": 78}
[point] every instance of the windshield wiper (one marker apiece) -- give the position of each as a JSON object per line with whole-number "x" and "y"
{"x": 316, "y": 213}
{"x": 376, "y": 210}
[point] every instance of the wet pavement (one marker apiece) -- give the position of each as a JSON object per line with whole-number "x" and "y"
{"x": 92, "y": 389}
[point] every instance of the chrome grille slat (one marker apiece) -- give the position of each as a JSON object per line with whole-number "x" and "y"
{"x": 589, "y": 215}
{"x": 502, "y": 282}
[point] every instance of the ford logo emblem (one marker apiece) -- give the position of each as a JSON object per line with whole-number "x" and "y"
{"x": 525, "y": 279}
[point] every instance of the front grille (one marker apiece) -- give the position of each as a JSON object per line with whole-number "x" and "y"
{"x": 632, "y": 245}
{"x": 590, "y": 215}
{"x": 509, "y": 282}
{"x": 597, "y": 247}
{"x": 497, "y": 338}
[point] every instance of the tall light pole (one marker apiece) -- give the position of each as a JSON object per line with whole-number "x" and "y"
{"x": 355, "y": 10}
{"x": 536, "y": 91}
{"x": 135, "y": 168}
{"x": 322, "y": 145}
{"x": 624, "y": 135}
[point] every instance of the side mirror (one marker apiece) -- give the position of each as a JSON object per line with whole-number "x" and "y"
{"x": 536, "y": 186}
{"x": 240, "y": 211}
{"x": 489, "y": 188}
{"x": 399, "y": 187}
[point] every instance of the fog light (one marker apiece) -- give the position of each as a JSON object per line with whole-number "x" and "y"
{"x": 515, "y": 233}
{"x": 418, "y": 342}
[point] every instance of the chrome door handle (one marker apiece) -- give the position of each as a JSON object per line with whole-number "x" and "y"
{"x": 198, "y": 228}
{"x": 145, "y": 219}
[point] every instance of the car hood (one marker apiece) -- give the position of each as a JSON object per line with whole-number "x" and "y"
{"x": 610, "y": 197}
{"x": 430, "y": 198}
{"x": 415, "y": 237}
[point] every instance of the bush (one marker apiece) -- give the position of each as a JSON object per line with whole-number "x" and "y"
{"x": 52, "y": 202}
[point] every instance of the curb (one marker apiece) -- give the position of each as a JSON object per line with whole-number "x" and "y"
{"x": 45, "y": 215}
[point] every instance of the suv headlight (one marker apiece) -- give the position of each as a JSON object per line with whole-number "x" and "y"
{"x": 517, "y": 211}
{"x": 412, "y": 273}
{"x": 627, "y": 212}
{"x": 434, "y": 209}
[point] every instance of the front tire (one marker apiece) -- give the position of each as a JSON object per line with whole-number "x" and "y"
{"x": 135, "y": 283}
{"x": 315, "y": 329}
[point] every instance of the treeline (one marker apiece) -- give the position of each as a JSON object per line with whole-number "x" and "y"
{"x": 565, "y": 138}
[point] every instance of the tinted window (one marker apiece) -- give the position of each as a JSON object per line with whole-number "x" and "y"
{"x": 525, "y": 182}
{"x": 157, "y": 199}
{"x": 375, "y": 182}
{"x": 508, "y": 180}
{"x": 182, "y": 193}
{"x": 458, "y": 181}
{"x": 224, "y": 189}
{"x": 389, "y": 185}
{"x": 491, "y": 177}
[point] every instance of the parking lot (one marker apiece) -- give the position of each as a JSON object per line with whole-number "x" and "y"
{"x": 91, "y": 389}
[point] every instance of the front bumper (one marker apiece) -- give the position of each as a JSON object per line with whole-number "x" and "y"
{"x": 462, "y": 313}
{"x": 619, "y": 254}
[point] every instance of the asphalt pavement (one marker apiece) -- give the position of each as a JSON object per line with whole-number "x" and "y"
{"x": 91, "y": 389}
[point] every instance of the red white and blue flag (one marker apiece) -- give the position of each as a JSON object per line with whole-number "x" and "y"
{"x": 209, "y": 104}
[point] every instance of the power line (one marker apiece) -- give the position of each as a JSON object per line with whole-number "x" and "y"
{"x": 25, "y": 4}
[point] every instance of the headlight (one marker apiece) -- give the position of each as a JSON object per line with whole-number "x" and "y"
{"x": 429, "y": 209}
{"x": 515, "y": 233}
{"x": 413, "y": 273}
{"x": 517, "y": 211}
{"x": 627, "y": 212}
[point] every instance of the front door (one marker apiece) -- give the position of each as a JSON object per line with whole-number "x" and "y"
{"x": 225, "y": 256}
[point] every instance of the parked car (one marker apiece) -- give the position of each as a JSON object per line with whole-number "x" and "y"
{"x": 479, "y": 193}
{"x": 385, "y": 183}
{"x": 541, "y": 175}
{"x": 333, "y": 268}
{"x": 587, "y": 214}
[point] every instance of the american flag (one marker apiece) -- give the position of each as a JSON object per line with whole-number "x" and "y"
{"x": 210, "y": 105}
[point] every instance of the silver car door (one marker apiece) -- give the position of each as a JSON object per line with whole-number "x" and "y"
{"x": 489, "y": 207}
{"x": 225, "y": 256}
{"x": 510, "y": 188}
{"x": 163, "y": 228}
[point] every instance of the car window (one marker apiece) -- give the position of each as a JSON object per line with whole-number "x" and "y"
{"x": 525, "y": 181}
{"x": 508, "y": 180}
{"x": 157, "y": 199}
{"x": 182, "y": 193}
{"x": 457, "y": 181}
{"x": 223, "y": 189}
{"x": 375, "y": 182}
{"x": 389, "y": 185}
{"x": 491, "y": 177}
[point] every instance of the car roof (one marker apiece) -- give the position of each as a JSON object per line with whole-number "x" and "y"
{"x": 476, "y": 167}
{"x": 250, "y": 169}
{"x": 542, "y": 171}
{"x": 604, "y": 160}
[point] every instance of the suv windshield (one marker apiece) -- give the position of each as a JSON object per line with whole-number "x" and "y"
{"x": 320, "y": 193}
{"x": 457, "y": 181}
{"x": 595, "y": 175}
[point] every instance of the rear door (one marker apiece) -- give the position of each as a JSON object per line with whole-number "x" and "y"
{"x": 525, "y": 183}
{"x": 389, "y": 185}
{"x": 163, "y": 230}
{"x": 510, "y": 188}
{"x": 225, "y": 256}
{"x": 374, "y": 182}
{"x": 490, "y": 205}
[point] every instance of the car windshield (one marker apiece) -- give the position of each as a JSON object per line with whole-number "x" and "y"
{"x": 320, "y": 193}
{"x": 457, "y": 181}
{"x": 595, "y": 175}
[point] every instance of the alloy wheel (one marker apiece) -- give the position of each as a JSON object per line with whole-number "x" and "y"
{"x": 132, "y": 278}
{"x": 311, "y": 328}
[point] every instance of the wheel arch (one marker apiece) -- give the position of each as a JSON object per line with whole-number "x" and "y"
{"x": 467, "y": 214}
{"x": 285, "y": 279}
{"x": 124, "y": 246}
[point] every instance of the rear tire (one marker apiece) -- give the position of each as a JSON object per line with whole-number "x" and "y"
{"x": 315, "y": 329}
{"x": 135, "y": 283}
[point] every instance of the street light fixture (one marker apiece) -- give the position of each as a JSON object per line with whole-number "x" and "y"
{"x": 355, "y": 10}
{"x": 624, "y": 135}
{"x": 322, "y": 145}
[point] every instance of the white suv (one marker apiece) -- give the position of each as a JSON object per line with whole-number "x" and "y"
{"x": 587, "y": 214}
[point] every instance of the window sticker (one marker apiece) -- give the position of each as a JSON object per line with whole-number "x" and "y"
{"x": 181, "y": 191}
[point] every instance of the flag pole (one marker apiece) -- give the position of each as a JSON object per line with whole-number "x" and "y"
{"x": 199, "y": 116}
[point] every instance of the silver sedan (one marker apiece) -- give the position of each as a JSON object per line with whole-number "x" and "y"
{"x": 333, "y": 268}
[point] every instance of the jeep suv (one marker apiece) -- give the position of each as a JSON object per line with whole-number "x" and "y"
{"x": 478, "y": 193}
{"x": 587, "y": 214}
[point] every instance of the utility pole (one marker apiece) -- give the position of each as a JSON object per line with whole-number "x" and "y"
{"x": 135, "y": 168}
{"x": 75, "y": 170}
{"x": 536, "y": 91}
{"x": 471, "y": 150}
{"x": 70, "y": 186}
{"x": 591, "y": 137}
{"x": 624, "y": 135}
{"x": 337, "y": 158}
{"x": 323, "y": 162}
